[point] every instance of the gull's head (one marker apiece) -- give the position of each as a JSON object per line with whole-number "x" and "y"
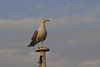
{"x": 44, "y": 20}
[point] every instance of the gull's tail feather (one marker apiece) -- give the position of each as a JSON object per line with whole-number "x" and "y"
{"x": 32, "y": 44}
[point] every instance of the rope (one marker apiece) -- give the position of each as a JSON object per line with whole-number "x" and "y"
{"x": 40, "y": 61}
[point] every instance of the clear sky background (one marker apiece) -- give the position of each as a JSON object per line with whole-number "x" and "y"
{"x": 73, "y": 32}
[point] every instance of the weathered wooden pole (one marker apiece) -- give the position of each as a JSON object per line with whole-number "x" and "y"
{"x": 42, "y": 51}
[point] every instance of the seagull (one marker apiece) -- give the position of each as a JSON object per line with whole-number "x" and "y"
{"x": 39, "y": 35}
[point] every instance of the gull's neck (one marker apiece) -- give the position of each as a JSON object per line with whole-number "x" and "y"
{"x": 42, "y": 25}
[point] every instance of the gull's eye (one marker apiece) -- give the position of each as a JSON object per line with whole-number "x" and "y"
{"x": 43, "y": 18}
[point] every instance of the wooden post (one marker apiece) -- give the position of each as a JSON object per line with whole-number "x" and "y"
{"x": 42, "y": 53}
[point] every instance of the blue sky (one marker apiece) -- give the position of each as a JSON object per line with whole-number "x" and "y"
{"x": 73, "y": 32}
{"x": 34, "y": 8}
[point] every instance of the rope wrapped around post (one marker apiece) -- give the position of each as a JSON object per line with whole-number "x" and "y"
{"x": 40, "y": 61}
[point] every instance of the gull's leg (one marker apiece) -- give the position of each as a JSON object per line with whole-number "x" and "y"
{"x": 42, "y": 43}
{"x": 38, "y": 44}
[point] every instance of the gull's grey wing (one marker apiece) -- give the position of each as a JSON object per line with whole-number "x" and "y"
{"x": 33, "y": 42}
{"x": 34, "y": 35}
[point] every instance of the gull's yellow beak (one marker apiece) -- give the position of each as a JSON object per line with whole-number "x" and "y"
{"x": 47, "y": 20}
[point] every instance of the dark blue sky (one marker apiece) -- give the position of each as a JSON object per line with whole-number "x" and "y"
{"x": 24, "y": 7}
